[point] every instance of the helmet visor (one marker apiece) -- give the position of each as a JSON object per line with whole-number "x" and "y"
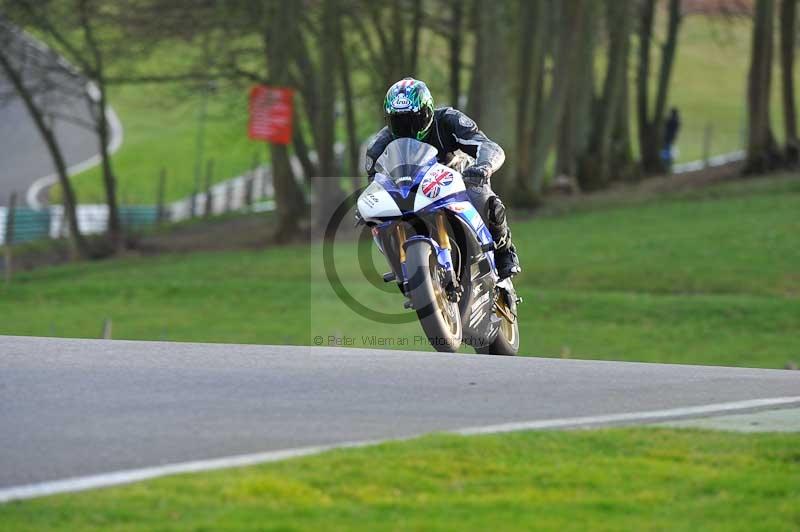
{"x": 409, "y": 125}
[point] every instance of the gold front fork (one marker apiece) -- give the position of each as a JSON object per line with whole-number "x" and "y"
{"x": 401, "y": 238}
{"x": 441, "y": 231}
{"x": 441, "y": 235}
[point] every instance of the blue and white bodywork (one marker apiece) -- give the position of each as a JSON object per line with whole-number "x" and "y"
{"x": 414, "y": 198}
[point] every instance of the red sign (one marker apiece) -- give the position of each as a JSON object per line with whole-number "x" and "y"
{"x": 270, "y": 114}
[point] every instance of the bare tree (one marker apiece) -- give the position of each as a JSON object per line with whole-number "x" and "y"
{"x": 534, "y": 30}
{"x": 455, "y": 43}
{"x": 762, "y": 149}
{"x": 491, "y": 93}
{"x": 280, "y": 23}
{"x": 249, "y": 41}
{"x": 390, "y": 34}
{"x": 597, "y": 163}
{"x": 623, "y": 165}
{"x": 570, "y": 21}
{"x": 346, "y": 75}
{"x": 576, "y": 126}
{"x": 788, "y": 18}
{"x": 329, "y": 188}
{"x": 70, "y": 27}
{"x": 37, "y": 77}
{"x": 651, "y": 121}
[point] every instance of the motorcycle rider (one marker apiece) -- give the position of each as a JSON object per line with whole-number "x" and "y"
{"x": 409, "y": 113}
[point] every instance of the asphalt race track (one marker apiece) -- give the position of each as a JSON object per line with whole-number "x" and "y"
{"x": 23, "y": 155}
{"x": 24, "y": 158}
{"x": 71, "y": 408}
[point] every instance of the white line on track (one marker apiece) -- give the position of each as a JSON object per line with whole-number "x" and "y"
{"x": 135, "y": 475}
{"x": 32, "y": 196}
{"x": 653, "y": 415}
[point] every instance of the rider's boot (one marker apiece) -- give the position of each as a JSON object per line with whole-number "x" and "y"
{"x": 505, "y": 254}
{"x": 506, "y": 259}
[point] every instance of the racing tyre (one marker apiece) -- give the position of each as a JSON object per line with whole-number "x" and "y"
{"x": 507, "y": 340}
{"x": 440, "y": 317}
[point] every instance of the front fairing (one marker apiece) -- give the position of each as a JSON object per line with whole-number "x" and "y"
{"x": 433, "y": 185}
{"x": 376, "y": 204}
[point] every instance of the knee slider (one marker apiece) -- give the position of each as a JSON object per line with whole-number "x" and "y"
{"x": 495, "y": 211}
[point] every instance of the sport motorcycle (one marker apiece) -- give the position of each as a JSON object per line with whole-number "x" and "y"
{"x": 440, "y": 252}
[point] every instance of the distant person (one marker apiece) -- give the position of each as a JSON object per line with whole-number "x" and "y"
{"x": 671, "y": 130}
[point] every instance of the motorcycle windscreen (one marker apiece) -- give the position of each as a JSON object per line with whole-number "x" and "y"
{"x": 404, "y": 158}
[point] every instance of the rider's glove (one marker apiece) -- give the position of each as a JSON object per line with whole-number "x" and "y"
{"x": 477, "y": 175}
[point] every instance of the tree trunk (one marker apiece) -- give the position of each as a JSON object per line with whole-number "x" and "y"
{"x": 350, "y": 116}
{"x": 329, "y": 42}
{"x": 762, "y": 149}
{"x": 416, "y": 29}
{"x": 622, "y": 165}
{"x": 95, "y": 71}
{"x": 646, "y": 20}
{"x": 476, "y": 84}
{"x": 534, "y": 22}
{"x": 37, "y": 115}
{"x": 494, "y": 98}
{"x": 595, "y": 171}
{"x": 329, "y": 192}
{"x": 301, "y": 150}
{"x": 668, "y": 50}
{"x": 570, "y": 23}
{"x": 109, "y": 180}
{"x": 577, "y": 122}
{"x": 287, "y": 227}
{"x": 455, "y": 44}
{"x": 280, "y": 32}
{"x": 651, "y": 127}
{"x": 308, "y": 85}
{"x": 788, "y": 18}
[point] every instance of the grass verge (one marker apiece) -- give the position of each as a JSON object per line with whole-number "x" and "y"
{"x": 620, "y": 479}
{"x": 707, "y": 277}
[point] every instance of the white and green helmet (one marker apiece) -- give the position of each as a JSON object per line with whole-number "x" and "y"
{"x": 409, "y": 109}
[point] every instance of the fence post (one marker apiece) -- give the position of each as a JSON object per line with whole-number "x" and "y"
{"x": 193, "y": 202}
{"x": 257, "y": 184}
{"x": 248, "y": 192}
{"x": 107, "y": 326}
{"x": 12, "y": 206}
{"x": 251, "y": 181}
{"x": 229, "y": 195}
{"x": 160, "y": 208}
{"x": 123, "y": 212}
{"x": 707, "y": 134}
{"x": 262, "y": 183}
{"x": 209, "y": 195}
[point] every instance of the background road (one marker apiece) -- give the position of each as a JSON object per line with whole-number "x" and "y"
{"x": 23, "y": 155}
{"x": 80, "y": 407}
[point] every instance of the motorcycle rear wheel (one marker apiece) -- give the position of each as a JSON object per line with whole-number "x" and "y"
{"x": 440, "y": 318}
{"x": 507, "y": 341}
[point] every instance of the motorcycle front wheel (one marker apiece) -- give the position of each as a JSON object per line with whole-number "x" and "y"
{"x": 439, "y": 317}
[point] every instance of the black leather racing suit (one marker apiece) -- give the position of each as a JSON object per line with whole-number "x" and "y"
{"x": 452, "y": 130}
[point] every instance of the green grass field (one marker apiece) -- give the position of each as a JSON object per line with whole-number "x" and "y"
{"x": 622, "y": 479}
{"x": 709, "y": 84}
{"x": 160, "y": 131}
{"x": 161, "y": 121}
{"x": 709, "y": 277}
{"x": 706, "y": 276}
